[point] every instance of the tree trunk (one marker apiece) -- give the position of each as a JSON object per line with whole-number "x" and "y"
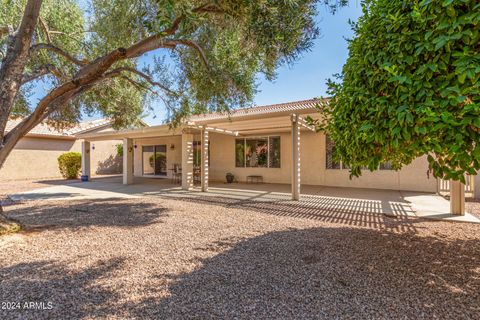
{"x": 11, "y": 70}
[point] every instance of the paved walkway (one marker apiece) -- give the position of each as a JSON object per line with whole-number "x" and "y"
{"x": 367, "y": 204}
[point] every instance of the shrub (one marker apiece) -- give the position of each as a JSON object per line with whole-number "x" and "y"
{"x": 70, "y": 164}
{"x": 119, "y": 147}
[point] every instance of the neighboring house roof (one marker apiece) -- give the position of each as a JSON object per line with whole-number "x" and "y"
{"x": 43, "y": 129}
{"x": 303, "y": 105}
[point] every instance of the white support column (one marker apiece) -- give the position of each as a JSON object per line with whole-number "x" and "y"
{"x": 127, "y": 161}
{"x": 295, "y": 157}
{"x": 187, "y": 161}
{"x": 476, "y": 186}
{"x": 204, "y": 160}
{"x": 86, "y": 160}
{"x": 457, "y": 198}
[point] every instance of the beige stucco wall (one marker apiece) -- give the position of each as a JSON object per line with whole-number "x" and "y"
{"x": 313, "y": 167}
{"x": 36, "y": 158}
{"x": 104, "y": 158}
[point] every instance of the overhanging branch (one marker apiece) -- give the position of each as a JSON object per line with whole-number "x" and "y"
{"x": 52, "y": 48}
{"x": 142, "y": 75}
{"x": 42, "y": 71}
{"x": 194, "y": 45}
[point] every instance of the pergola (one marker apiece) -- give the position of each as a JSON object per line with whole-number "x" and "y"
{"x": 243, "y": 125}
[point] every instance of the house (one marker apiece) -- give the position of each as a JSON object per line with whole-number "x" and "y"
{"x": 35, "y": 155}
{"x": 269, "y": 143}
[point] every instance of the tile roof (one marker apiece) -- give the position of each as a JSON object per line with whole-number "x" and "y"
{"x": 44, "y": 129}
{"x": 260, "y": 110}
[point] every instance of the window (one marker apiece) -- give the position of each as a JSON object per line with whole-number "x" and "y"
{"x": 263, "y": 152}
{"x": 154, "y": 160}
{"x": 332, "y": 164}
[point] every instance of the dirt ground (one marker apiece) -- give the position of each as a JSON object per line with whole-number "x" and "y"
{"x": 166, "y": 258}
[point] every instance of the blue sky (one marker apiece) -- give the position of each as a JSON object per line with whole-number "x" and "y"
{"x": 306, "y": 79}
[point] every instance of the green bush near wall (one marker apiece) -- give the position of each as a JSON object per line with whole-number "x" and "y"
{"x": 70, "y": 164}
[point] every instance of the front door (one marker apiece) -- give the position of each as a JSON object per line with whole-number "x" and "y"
{"x": 154, "y": 160}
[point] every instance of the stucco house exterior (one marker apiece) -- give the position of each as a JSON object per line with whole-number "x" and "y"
{"x": 35, "y": 155}
{"x": 270, "y": 143}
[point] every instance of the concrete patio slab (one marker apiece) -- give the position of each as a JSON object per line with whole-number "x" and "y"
{"x": 436, "y": 207}
{"x": 314, "y": 199}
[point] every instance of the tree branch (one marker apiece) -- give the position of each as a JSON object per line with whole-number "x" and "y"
{"x": 13, "y": 65}
{"x": 142, "y": 75}
{"x": 52, "y": 48}
{"x": 158, "y": 41}
{"x": 5, "y": 31}
{"x": 45, "y": 29}
{"x": 194, "y": 45}
{"x": 42, "y": 71}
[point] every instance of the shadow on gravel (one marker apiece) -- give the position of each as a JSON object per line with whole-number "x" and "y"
{"x": 55, "y": 291}
{"x": 327, "y": 273}
{"x": 79, "y": 214}
{"x": 350, "y": 212}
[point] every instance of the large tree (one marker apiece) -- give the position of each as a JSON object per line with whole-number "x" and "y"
{"x": 410, "y": 87}
{"x": 204, "y": 55}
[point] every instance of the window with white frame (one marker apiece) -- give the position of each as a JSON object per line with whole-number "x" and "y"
{"x": 332, "y": 164}
{"x": 263, "y": 152}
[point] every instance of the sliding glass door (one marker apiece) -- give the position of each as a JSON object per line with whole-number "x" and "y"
{"x": 154, "y": 160}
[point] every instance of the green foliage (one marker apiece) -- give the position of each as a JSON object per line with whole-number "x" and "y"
{"x": 410, "y": 87}
{"x": 157, "y": 160}
{"x": 70, "y": 164}
{"x": 239, "y": 39}
{"x": 64, "y": 19}
{"x": 119, "y": 147}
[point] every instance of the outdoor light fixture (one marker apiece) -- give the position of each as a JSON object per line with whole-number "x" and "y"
{"x": 172, "y": 146}
{"x": 135, "y": 146}
{"x": 93, "y": 146}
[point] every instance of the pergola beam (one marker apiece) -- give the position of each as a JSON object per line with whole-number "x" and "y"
{"x": 304, "y": 124}
{"x": 213, "y": 129}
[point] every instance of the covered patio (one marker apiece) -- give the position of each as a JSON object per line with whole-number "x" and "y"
{"x": 201, "y": 126}
{"x": 204, "y": 149}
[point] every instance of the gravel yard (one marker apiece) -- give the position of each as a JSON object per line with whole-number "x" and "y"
{"x": 166, "y": 258}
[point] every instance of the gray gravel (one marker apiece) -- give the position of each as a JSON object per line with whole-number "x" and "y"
{"x": 172, "y": 259}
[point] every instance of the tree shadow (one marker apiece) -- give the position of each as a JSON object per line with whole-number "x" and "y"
{"x": 91, "y": 213}
{"x": 111, "y": 165}
{"x": 58, "y": 290}
{"x": 327, "y": 273}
